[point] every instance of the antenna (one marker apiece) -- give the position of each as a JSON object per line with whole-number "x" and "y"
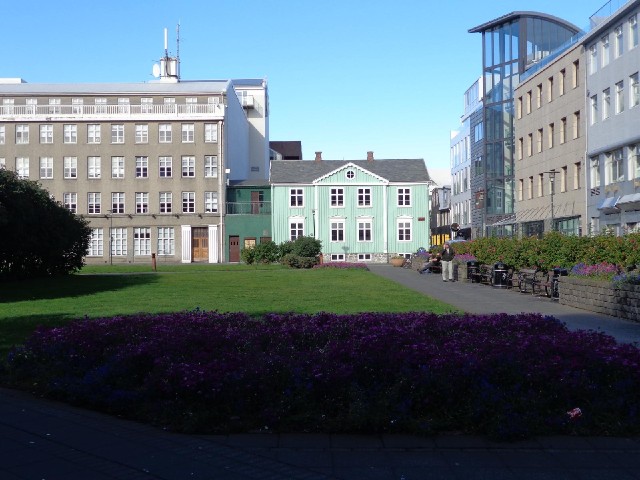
{"x": 166, "y": 54}
{"x": 178, "y": 50}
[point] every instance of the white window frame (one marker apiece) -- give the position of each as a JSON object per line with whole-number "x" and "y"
{"x": 22, "y": 167}
{"x": 633, "y": 31}
{"x": 188, "y": 202}
{"x": 188, "y": 133}
{"x": 142, "y": 133}
{"x": 70, "y": 167}
{"x": 96, "y": 243}
{"x": 165, "y": 134}
{"x": 117, "y": 167}
{"x": 119, "y": 242}
{"x": 364, "y": 197}
{"x": 337, "y": 231}
{"x": 70, "y": 201}
{"x": 94, "y": 203}
{"x": 117, "y": 133}
{"x": 94, "y": 167}
{"x": 296, "y": 228}
{"x": 3, "y": 137}
{"x": 142, "y": 202}
{"x": 117, "y": 202}
{"x": 404, "y": 229}
{"x": 606, "y": 103}
{"x": 166, "y": 202}
{"x": 365, "y": 230}
{"x": 211, "y": 133}
{"x": 593, "y": 59}
{"x": 210, "y": 166}
{"x": 619, "y": 42}
{"x": 619, "y": 97}
{"x": 337, "y": 197}
{"x": 634, "y": 90}
{"x": 404, "y": 196}
{"x": 46, "y": 167}
{"x": 605, "y": 51}
{"x": 188, "y": 166}
{"x": 46, "y": 134}
{"x": 22, "y": 134}
{"x": 141, "y": 242}
{"x": 165, "y": 166}
{"x": 296, "y": 197}
{"x": 211, "y": 202}
{"x": 142, "y": 167}
{"x": 166, "y": 241}
{"x": 94, "y": 133}
{"x": 70, "y": 133}
{"x": 594, "y": 169}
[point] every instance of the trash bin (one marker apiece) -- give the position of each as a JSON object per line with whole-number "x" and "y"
{"x": 500, "y": 273}
{"x": 557, "y": 272}
{"x": 472, "y": 271}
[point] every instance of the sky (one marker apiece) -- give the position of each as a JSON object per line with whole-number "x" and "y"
{"x": 344, "y": 76}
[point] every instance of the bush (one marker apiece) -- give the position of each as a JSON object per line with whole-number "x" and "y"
{"x": 307, "y": 247}
{"x": 296, "y": 261}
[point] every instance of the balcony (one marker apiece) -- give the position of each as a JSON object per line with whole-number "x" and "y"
{"x": 248, "y": 208}
{"x": 49, "y": 112}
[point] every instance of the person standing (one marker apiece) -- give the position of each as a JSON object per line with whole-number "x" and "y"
{"x": 446, "y": 258}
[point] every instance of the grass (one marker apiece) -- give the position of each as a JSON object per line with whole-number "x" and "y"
{"x": 105, "y": 291}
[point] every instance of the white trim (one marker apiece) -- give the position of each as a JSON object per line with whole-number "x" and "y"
{"x": 186, "y": 243}
{"x": 213, "y": 244}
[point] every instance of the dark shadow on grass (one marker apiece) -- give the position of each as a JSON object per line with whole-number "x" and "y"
{"x": 69, "y": 286}
{"x": 14, "y": 331}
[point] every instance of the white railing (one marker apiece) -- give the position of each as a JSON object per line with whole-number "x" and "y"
{"x": 111, "y": 110}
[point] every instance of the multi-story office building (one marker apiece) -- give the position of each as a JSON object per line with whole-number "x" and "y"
{"x": 463, "y": 142}
{"x": 440, "y": 215}
{"x": 147, "y": 164}
{"x": 613, "y": 101}
{"x": 511, "y": 44}
{"x": 550, "y": 144}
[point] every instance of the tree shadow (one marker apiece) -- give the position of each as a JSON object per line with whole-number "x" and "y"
{"x": 70, "y": 286}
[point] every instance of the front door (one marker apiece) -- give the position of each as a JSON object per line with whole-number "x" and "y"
{"x": 199, "y": 244}
{"x": 234, "y": 248}
{"x": 255, "y": 202}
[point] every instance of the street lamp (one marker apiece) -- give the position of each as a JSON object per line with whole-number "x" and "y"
{"x": 552, "y": 179}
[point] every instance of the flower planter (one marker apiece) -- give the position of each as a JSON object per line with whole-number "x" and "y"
{"x": 601, "y": 297}
{"x": 396, "y": 262}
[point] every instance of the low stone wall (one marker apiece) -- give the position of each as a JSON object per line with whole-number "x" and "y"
{"x": 601, "y": 297}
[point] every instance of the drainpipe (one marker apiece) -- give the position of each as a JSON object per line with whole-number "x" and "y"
{"x": 222, "y": 190}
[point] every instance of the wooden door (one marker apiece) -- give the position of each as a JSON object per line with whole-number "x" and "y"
{"x": 234, "y": 248}
{"x": 199, "y": 244}
{"x": 255, "y": 203}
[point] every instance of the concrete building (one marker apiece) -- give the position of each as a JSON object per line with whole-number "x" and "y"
{"x": 440, "y": 215}
{"x": 147, "y": 164}
{"x": 613, "y": 140}
{"x": 510, "y": 45}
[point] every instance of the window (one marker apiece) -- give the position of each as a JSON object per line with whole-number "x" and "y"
{"x": 188, "y": 202}
{"x": 606, "y": 103}
{"x": 142, "y": 241}
{"x": 70, "y": 201}
{"x": 550, "y": 135}
{"x": 142, "y": 167}
{"x": 562, "y": 83}
{"x": 550, "y": 89}
{"x": 364, "y": 230}
{"x": 188, "y": 133}
{"x": 296, "y": 228}
{"x": 634, "y": 151}
{"x": 337, "y": 230}
{"x": 166, "y": 241}
{"x": 478, "y": 132}
{"x": 119, "y": 242}
{"x": 191, "y": 103}
{"x": 7, "y": 106}
{"x": 619, "y": 97}
{"x": 530, "y": 144}
{"x": 22, "y": 134}
{"x": 211, "y": 202}
{"x": 539, "y": 95}
{"x": 70, "y": 167}
{"x": 528, "y": 100}
{"x": 539, "y": 137}
{"x": 93, "y": 167}
{"x": 520, "y": 189}
{"x": 2, "y": 135}
{"x": 616, "y": 166}
{"x": 22, "y": 167}
{"x": 117, "y": 167}
{"x": 404, "y": 197}
{"x": 563, "y": 129}
{"x": 142, "y": 202}
{"x": 146, "y": 105}
{"x": 164, "y": 166}
{"x": 93, "y": 133}
{"x": 210, "y": 166}
{"x": 634, "y": 90}
{"x": 337, "y": 257}
{"x": 519, "y": 107}
{"x": 166, "y": 199}
{"x": 618, "y": 47}
{"x": 404, "y": 230}
{"x": 46, "y": 133}
{"x": 101, "y": 105}
{"x": 117, "y": 133}
{"x": 593, "y": 59}
{"x": 520, "y": 151}
{"x": 188, "y": 166}
{"x": 93, "y": 203}
{"x": 595, "y": 171}
{"x": 142, "y": 133}
{"x": 54, "y": 105}
{"x": 117, "y": 202}
{"x": 541, "y": 185}
{"x": 530, "y": 192}
{"x": 96, "y": 243}
{"x": 576, "y": 124}
{"x": 350, "y": 174}
{"x": 364, "y": 257}
{"x": 169, "y": 104}
{"x": 576, "y": 74}
{"x": 563, "y": 179}
{"x": 633, "y": 31}
{"x": 604, "y": 48}
{"x": 337, "y": 197}
{"x": 593, "y": 117}
{"x": 70, "y": 133}
{"x": 210, "y": 132}
{"x": 364, "y": 197}
{"x": 46, "y": 167}
{"x": 76, "y": 105}
{"x": 296, "y": 197}
{"x": 3, "y": 163}
{"x": 164, "y": 133}
{"x": 123, "y": 105}
{"x": 577, "y": 175}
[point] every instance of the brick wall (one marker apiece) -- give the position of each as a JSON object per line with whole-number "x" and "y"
{"x": 601, "y": 297}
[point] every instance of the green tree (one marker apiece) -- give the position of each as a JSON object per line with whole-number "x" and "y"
{"x": 39, "y": 236}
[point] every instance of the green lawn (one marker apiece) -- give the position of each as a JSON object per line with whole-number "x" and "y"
{"x": 106, "y": 291}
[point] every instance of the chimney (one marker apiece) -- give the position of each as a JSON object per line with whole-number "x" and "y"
{"x": 369, "y": 156}
{"x": 318, "y": 156}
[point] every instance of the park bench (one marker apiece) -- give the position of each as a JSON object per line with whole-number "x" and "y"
{"x": 485, "y": 274}
{"x": 536, "y": 280}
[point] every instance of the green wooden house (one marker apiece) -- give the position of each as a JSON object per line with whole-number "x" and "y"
{"x": 362, "y": 210}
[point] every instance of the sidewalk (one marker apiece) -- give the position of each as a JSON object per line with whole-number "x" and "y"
{"x": 41, "y": 439}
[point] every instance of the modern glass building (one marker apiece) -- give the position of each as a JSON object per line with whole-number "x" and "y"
{"x": 511, "y": 45}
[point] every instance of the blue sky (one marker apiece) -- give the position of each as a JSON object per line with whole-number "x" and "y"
{"x": 345, "y": 76}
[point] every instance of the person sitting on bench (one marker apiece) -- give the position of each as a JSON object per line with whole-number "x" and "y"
{"x": 433, "y": 261}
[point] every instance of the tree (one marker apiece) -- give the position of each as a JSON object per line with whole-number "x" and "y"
{"x": 39, "y": 237}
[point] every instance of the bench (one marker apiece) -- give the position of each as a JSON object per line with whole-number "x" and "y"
{"x": 537, "y": 280}
{"x": 484, "y": 274}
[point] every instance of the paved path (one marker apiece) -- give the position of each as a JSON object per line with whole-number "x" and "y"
{"x": 42, "y": 439}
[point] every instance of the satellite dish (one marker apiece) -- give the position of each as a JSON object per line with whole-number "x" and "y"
{"x": 156, "y": 70}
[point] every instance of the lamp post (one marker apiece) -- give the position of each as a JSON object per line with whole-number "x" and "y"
{"x": 110, "y": 237}
{"x": 552, "y": 179}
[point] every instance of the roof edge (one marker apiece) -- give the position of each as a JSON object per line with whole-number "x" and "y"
{"x": 517, "y": 14}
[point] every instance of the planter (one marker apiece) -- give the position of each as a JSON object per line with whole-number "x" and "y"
{"x": 601, "y": 297}
{"x": 396, "y": 262}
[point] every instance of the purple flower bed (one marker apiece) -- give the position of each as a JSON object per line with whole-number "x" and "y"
{"x": 502, "y": 375}
{"x": 343, "y": 265}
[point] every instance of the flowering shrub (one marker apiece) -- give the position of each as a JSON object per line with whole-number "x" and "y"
{"x": 630, "y": 278}
{"x": 602, "y": 270}
{"x": 463, "y": 258}
{"x": 343, "y": 265}
{"x": 509, "y": 376}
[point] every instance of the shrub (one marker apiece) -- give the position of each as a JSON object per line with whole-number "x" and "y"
{"x": 306, "y": 247}
{"x": 343, "y": 265}
{"x": 267, "y": 252}
{"x": 248, "y": 255}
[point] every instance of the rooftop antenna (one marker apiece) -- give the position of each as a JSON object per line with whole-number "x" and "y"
{"x": 178, "y": 50}
{"x": 169, "y": 68}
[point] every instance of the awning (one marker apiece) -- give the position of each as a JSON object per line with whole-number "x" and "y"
{"x": 505, "y": 221}
{"x": 609, "y": 204}
{"x": 631, "y": 200}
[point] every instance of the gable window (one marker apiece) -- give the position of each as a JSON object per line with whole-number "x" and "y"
{"x": 350, "y": 174}
{"x": 404, "y": 230}
{"x": 337, "y": 230}
{"x": 337, "y": 197}
{"x": 364, "y": 230}
{"x": 296, "y": 197}
{"x": 404, "y": 197}
{"x": 364, "y": 197}
{"x": 296, "y": 228}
